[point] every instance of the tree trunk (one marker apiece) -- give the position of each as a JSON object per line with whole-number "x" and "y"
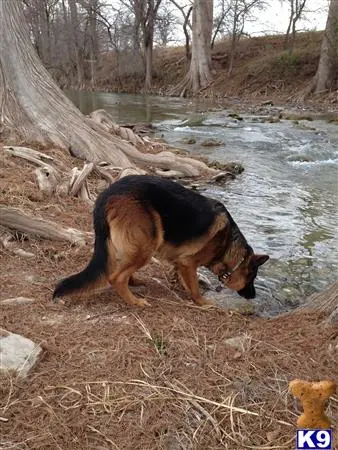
{"x": 201, "y": 44}
{"x": 199, "y": 75}
{"x": 148, "y": 47}
{"x": 76, "y": 43}
{"x": 287, "y": 34}
{"x": 186, "y": 34}
{"x": 326, "y": 76}
{"x": 93, "y": 44}
{"x": 32, "y": 106}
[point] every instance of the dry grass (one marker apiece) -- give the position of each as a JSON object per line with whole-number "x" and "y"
{"x": 115, "y": 377}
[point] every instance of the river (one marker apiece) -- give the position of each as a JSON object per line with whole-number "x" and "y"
{"x": 285, "y": 202}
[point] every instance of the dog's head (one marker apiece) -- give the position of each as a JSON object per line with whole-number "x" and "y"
{"x": 241, "y": 277}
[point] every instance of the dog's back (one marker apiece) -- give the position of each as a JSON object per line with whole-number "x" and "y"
{"x": 185, "y": 214}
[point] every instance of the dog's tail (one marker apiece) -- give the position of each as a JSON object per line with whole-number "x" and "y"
{"x": 91, "y": 277}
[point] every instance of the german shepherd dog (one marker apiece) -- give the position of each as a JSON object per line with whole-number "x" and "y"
{"x": 140, "y": 216}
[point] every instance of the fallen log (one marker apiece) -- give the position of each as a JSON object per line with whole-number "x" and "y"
{"x": 17, "y": 220}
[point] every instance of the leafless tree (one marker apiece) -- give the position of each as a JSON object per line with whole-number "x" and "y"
{"x": 221, "y": 20}
{"x": 165, "y": 24}
{"x": 297, "y": 9}
{"x": 238, "y": 13}
{"x": 186, "y": 11}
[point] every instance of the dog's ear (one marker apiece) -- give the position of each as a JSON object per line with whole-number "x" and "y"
{"x": 259, "y": 260}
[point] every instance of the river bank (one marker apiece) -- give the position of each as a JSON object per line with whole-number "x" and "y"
{"x": 264, "y": 71}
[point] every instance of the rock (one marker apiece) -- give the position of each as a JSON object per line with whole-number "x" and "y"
{"x": 235, "y": 168}
{"x": 17, "y": 353}
{"x": 211, "y": 143}
{"x": 274, "y": 120}
{"x": 232, "y": 302}
{"x": 241, "y": 343}
{"x": 235, "y": 116}
{"x": 204, "y": 281}
{"x": 267, "y": 103}
{"x": 17, "y": 301}
{"x": 189, "y": 141}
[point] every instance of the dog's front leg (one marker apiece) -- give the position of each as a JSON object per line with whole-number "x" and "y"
{"x": 187, "y": 271}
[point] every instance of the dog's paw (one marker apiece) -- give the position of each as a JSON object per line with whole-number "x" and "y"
{"x": 205, "y": 302}
{"x": 141, "y": 302}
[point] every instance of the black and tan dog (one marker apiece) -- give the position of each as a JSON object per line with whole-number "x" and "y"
{"x": 140, "y": 216}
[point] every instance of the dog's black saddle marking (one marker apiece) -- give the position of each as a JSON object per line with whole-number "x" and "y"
{"x": 185, "y": 214}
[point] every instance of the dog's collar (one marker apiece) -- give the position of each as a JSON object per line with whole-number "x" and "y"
{"x": 225, "y": 274}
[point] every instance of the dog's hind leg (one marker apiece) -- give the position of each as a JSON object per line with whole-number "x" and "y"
{"x": 187, "y": 271}
{"x": 135, "y": 234}
{"x": 136, "y": 281}
{"x": 120, "y": 280}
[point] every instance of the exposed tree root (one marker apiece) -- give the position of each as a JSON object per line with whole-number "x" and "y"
{"x": 6, "y": 240}
{"x": 325, "y": 302}
{"x": 17, "y": 220}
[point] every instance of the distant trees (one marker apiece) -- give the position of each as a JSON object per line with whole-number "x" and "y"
{"x": 73, "y": 37}
{"x": 70, "y": 35}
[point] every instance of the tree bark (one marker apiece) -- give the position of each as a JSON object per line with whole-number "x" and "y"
{"x": 326, "y": 76}
{"x": 148, "y": 47}
{"x": 201, "y": 44}
{"x": 199, "y": 75}
{"x": 32, "y": 106}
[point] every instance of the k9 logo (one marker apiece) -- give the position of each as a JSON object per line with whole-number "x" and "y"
{"x": 314, "y": 440}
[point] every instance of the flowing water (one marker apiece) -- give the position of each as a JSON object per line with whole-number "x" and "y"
{"x": 285, "y": 202}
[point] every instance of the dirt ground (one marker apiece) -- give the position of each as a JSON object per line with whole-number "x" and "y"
{"x": 116, "y": 377}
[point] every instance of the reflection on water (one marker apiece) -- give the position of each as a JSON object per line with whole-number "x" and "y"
{"x": 286, "y": 200}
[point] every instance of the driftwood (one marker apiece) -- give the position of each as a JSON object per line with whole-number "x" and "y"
{"x": 131, "y": 171}
{"x": 29, "y": 154}
{"x": 50, "y": 179}
{"x": 47, "y": 178}
{"x": 223, "y": 176}
{"x": 17, "y": 220}
{"x": 6, "y": 240}
{"x": 78, "y": 183}
{"x": 169, "y": 173}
